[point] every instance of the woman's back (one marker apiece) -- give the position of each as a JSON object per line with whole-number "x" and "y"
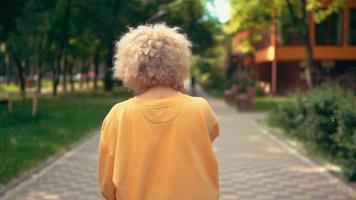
{"x": 159, "y": 149}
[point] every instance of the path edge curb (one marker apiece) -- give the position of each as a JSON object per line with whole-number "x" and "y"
{"x": 295, "y": 150}
{"x": 28, "y": 173}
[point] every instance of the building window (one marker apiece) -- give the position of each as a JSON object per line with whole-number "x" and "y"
{"x": 329, "y": 31}
{"x": 352, "y": 26}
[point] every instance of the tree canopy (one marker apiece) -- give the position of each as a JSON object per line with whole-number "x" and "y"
{"x": 255, "y": 15}
{"x": 62, "y": 37}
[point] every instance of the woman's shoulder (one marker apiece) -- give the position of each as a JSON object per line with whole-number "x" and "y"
{"x": 121, "y": 106}
{"x": 196, "y": 102}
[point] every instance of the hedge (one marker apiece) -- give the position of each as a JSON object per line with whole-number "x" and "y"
{"x": 324, "y": 120}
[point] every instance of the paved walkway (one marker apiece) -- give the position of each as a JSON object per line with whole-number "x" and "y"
{"x": 71, "y": 177}
{"x": 253, "y": 166}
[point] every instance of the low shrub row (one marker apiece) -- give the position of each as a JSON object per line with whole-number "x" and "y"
{"x": 324, "y": 120}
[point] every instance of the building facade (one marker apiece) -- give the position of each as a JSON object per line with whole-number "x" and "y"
{"x": 279, "y": 59}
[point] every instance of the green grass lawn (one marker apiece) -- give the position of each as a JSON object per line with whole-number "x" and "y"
{"x": 15, "y": 88}
{"x": 267, "y": 103}
{"x": 9, "y": 88}
{"x": 27, "y": 140}
{"x": 264, "y": 103}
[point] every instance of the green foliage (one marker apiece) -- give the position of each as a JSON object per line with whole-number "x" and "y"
{"x": 27, "y": 140}
{"x": 249, "y": 15}
{"x": 268, "y": 103}
{"x": 257, "y": 15}
{"x": 213, "y": 81}
{"x": 325, "y": 120}
{"x": 290, "y": 22}
{"x": 321, "y": 11}
{"x": 56, "y": 35}
{"x": 190, "y": 16}
{"x": 209, "y": 69}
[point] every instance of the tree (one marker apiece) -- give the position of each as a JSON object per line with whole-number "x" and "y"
{"x": 62, "y": 37}
{"x": 190, "y": 16}
{"x": 24, "y": 35}
{"x": 13, "y": 33}
{"x": 253, "y": 14}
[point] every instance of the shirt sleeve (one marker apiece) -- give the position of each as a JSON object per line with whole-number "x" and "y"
{"x": 106, "y": 157}
{"x": 212, "y": 122}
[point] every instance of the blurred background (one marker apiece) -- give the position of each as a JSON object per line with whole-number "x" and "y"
{"x": 294, "y": 59}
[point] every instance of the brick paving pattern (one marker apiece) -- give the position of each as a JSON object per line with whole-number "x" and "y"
{"x": 252, "y": 166}
{"x": 71, "y": 177}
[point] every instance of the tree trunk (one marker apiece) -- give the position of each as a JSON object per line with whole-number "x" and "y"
{"x": 8, "y": 65}
{"x": 96, "y": 70}
{"x": 39, "y": 78}
{"x": 56, "y": 72}
{"x": 54, "y": 81}
{"x": 109, "y": 65}
{"x": 21, "y": 77}
{"x": 108, "y": 72}
{"x": 86, "y": 72}
{"x": 230, "y": 66}
{"x": 64, "y": 74}
{"x": 309, "y": 58}
{"x": 81, "y": 80}
{"x": 71, "y": 79}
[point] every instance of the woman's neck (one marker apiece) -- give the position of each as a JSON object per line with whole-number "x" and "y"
{"x": 158, "y": 92}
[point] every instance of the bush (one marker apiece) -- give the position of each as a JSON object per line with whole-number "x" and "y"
{"x": 324, "y": 119}
{"x": 210, "y": 75}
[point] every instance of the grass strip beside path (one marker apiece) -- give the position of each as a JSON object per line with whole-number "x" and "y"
{"x": 25, "y": 140}
{"x": 268, "y": 103}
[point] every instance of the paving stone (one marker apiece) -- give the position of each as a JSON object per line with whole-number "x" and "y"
{"x": 252, "y": 166}
{"x": 256, "y": 166}
{"x": 73, "y": 176}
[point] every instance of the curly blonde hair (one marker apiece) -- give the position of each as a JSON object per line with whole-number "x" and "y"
{"x": 151, "y": 55}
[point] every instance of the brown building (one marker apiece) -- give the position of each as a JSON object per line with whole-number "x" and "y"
{"x": 280, "y": 56}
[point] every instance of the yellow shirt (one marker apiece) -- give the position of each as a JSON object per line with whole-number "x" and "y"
{"x": 159, "y": 149}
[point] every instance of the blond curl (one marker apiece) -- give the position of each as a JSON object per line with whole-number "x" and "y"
{"x": 151, "y": 55}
